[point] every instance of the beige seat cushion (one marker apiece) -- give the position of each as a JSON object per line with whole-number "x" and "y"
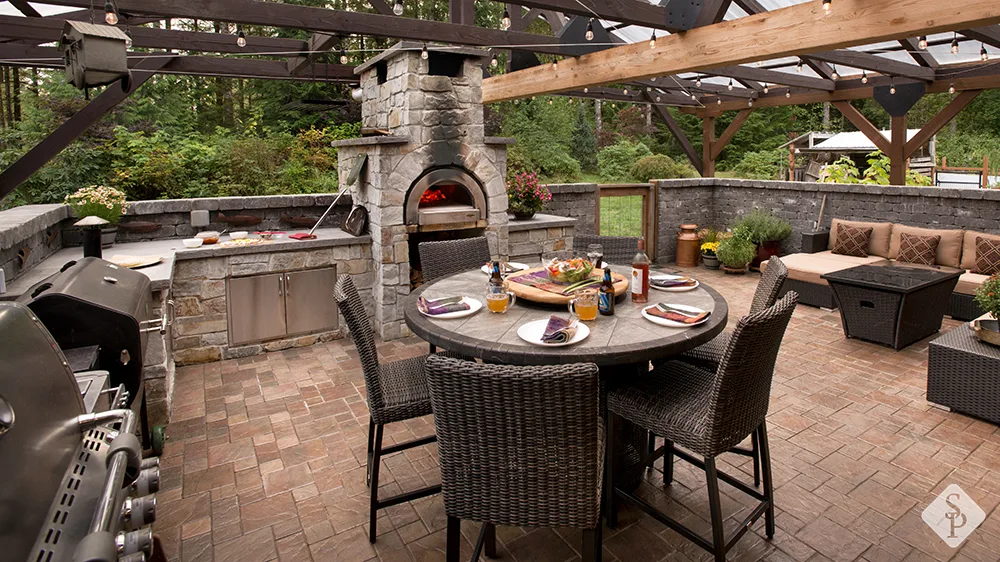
{"x": 969, "y": 247}
{"x": 809, "y": 268}
{"x": 969, "y": 282}
{"x": 878, "y": 244}
{"x": 949, "y": 249}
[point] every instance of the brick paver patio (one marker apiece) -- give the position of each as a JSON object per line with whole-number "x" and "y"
{"x": 265, "y": 462}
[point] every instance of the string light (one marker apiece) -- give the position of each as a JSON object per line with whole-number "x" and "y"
{"x": 494, "y": 62}
{"x": 799, "y": 67}
{"x": 110, "y": 15}
{"x": 835, "y": 76}
{"x": 718, "y": 101}
{"x": 730, "y": 85}
{"x": 555, "y": 65}
{"x": 788, "y": 93}
{"x": 827, "y": 5}
{"x": 590, "y": 30}
{"x": 343, "y": 56}
{"x": 922, "y": 43}
{"x": 550, "y": 101}
{"x": 505, "y": 20}
{"x": 652, "y": 40}
{"x": 864, "y": 77}
{"x": 892, "y": 86}
{"x": 625, "y": 91}
{"x": 750, "y": 102}
{"x": 424, "y": 54}
{"x": 397, "y": 8}
{"x": 128, "y": 40}
{"x": 983, "y": 54}
{"x": 694, "y": 96}
{"x": 586, "y": 90}
{"x": 653, "y": 79}
{"x": 766, "y": 88}
{"x": 697, "y": 83}
{"x": 241, "y": 38}
{"x": 954, "y": 44}
{"x": 951, "y": 88}
{"x": 657, "y": 98}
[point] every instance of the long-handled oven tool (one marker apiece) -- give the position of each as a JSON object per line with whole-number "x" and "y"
{"x": 310, "y": 235}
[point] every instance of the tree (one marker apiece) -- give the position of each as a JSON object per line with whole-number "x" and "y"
{"x": 584, "y": 144}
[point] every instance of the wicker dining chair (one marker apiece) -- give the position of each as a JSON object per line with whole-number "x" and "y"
{"x": 397, "y": 391}
{"x": 441, "y": 259}
{"x": 708, "y": 413}
{"x": 618, "y": 250}
{"x": 518, "y": 446}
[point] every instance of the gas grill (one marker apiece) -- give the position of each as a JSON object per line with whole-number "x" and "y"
{"x": 75, "y": 485}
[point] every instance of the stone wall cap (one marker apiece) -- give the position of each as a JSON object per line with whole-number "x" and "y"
{"x": 539, "y": 221}
{"x": 406, "y": 46}
{"x": 369, "y": 141}
{"x": 20, "y": 223}
{"x": 571, "y": 187}
{"x": 325, "y": 238}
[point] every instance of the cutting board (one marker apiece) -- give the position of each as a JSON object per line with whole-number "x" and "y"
{"x": 534, "y": 294}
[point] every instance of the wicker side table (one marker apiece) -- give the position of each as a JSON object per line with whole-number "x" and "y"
{"x": 963, "y": 374}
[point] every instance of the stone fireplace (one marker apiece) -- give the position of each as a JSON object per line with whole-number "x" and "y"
{"x": 431, "y": 173}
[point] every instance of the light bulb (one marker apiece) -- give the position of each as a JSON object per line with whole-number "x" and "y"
{"x": 788, "y": 94}
{"x": 625, "y": 91}
{"x": 657, "y": 98}
{"x": 241, "y": 38}
{"x": 892, "y": 87}
{"x": 505, "y": 20}
{"x": 586, "y": 90}
{"x": 835, "y": 76}
{"x": 827, "y": 5}
{"x": 423, "y": 53}
{"x": 983, "y": 54}
{"x": 555, "y": 65}
{"x": 694, "y": 96}
{"x": 532, "y": 98}
{"x": 766, "y": 88}
{"x": 954, "y": 45}
{"x": 653, "y": 79}
{"x": 652, "y": 41}
{"x": 128, "y": 39}
{"x": 343, "y": 56}
{"x": 730, "y": 85}
{"x": 494, "y": 62}
{"x": 590, "y": 30}
{"x": 799, "y": 67}
{"x": 718, "y": 101}
{"x": 697, "y": 83}
{"x": 951, "y": 88}
{"x": 750, "y": 102}
{"x": 550, "y": 101}
{"x": 110, "y": 15}
{"x": 864, "y": 77}
{"x": 397, "y": 8}
{"x": 922, "y": 43}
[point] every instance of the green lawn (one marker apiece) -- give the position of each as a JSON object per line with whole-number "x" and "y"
{"x": 621, "y": 216}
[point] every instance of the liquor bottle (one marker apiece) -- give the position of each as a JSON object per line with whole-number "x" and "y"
{"x": 496, "y": 280}
{"x": 640, "y": 274}
{"x": 606, "y": 302}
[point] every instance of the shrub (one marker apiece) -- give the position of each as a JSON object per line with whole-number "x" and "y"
{"x": 988, "y": 296}
{"x": 841, "y": 171}
{"x": 736, "y": 252}
{"x": 762, "y": 165}
{"x": 660, "y": 167}
{"x": 615, "y": 162}
{"x": 107, "y": 203}
{"x": 559, "y": 166}
{"x": 518, "y": 162}
{"x": 763, "y": 226}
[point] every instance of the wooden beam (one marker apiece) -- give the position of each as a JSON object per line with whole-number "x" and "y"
{"x": 50, "y": 146}
{"x": 25, "y": 8}
{"x": 875, "y": 63}
{"x": 897, "y": 157}
{"x": 462, "y": 11}
{"x": 989, "y": 35}
{"x": 864, "y": 125}
{"x": 276, "y": 14}
{"x": 713, "y": 11}
{"x": 707, "y": 140}
{"x": 730, "y": 131}
{"x": 678, "y": 133}
{"x": 799, "y": 29}
{"x": 319, "y": 42}
{"x": 625, "y": 11}
{"x": 922, "y": 56}
{"x": 939, "y": 121}
{"x": 773, "y": 77}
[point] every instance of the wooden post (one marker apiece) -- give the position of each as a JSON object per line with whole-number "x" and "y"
{"x": 986, "y": 172}
{"x": 897, "y": 152}
{"x": 708, "y": 139}
{"x": 791, "y": 162}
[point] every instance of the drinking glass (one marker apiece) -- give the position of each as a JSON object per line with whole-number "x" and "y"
{"x": 595, "y": 253}
{"x": 584, "y": 305}
{"x": 498, "y": 298}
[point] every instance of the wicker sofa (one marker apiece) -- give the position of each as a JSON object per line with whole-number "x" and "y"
{"x": 956, "y": 250}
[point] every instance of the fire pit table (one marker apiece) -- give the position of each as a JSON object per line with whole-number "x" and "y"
{"x": 890, "y": 304}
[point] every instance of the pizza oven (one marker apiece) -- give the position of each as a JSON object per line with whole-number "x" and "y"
{"x": 445, "y": 197}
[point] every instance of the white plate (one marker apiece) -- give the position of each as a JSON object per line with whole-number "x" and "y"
{"x": 671, "y": 323}
{"x": 488, "y": 269}
{"x": 474, "y": 306}
{"x": 671, "y": 289}
{"x": 532, "y": 333}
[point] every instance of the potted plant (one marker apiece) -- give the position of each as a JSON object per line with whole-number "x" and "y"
{"x": 736, "y": 253}
{"x": 766, "y": 232}
{"x": 988, "y": 298}
{"x": 107, "y": 203}
{"x": 710, "y": 239}
{"x": 525, "y": 196}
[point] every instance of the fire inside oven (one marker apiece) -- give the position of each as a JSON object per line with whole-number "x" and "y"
{"x": 446, "y": 194}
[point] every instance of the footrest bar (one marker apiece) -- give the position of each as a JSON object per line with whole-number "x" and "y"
{"x": 747, "y": 523}
{"x": 408, "y": 445}
{"x": 666, "y": 520}
{"x": 408, "y": 496}
{"x": 722, "y": 476}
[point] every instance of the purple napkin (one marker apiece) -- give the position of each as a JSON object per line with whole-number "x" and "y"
{"x": 441, "y": 306}
{"x": 559, "y": 330}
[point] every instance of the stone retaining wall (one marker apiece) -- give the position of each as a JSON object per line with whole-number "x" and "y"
{"x": 536, "y": 239}
{"x": 28, "y": 235}
{"x": 574, "y": 200}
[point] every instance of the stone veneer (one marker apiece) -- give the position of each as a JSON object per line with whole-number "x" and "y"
{"x": 34, "y": 229}
{"x": 575, "y": 200}
{"x": 433, "y": 121}
{"x": 538, "y": 238}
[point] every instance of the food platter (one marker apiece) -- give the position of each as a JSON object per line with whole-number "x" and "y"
{"x": 535, "y": 294}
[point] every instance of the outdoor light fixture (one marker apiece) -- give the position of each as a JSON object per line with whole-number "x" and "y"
{"x": 586, "y": 90}
{"x": 954, "y": 45}
{"x": 505, "y": 20}
{"x": 625, "y": 91}
{"x": 590, "y": 30}
{"x": 864, "y": 77}
{"x": 892, "y": 86}
{"x": 550, "y": 101}
{"x": 128, "y": 42}
{"x": 718, "y": 101}
{"x": 827, "y": 5}
{"x": 241, "y": 38}
{"x": 343, "y": 56}
{"x": 694, "y": 96}
{"x": 423, "y": 53}
{"x": 766, "y": 88}
{"x": 983, "y": 54}
{"x": 799, "y": 68}
{"x": 697, "y": 82}
{"x": 652, "y": 41}
{"x": 397, "y": 8}
{"x": 653, "y": 79}
{"x": 555, "y": 65}
{"x": 657, "y": 98}
{"x": 922, "y": 43}
{"x": 951, "y": 88}
{"x": 110, "y": 15}
{"x": 788, "y": 93}
{"x": 835, "y": 76}
{"x": 730, "y": 85}
{"x": 494, "y": 62}
{"x": 750, "y": 102}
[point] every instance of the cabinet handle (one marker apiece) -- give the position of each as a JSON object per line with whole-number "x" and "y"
{"x": 288, "y": 284}
{"x": 279, "y": 285}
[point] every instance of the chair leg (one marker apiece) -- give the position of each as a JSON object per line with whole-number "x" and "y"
{"x": 371, "y": 446}
{"x": 715, "y": 506}
{"x": 765, "y": 469}
{"x": 490, "y": 548}
{"x": 376, "y": 461}
{"x": 651, "y": 448}
{"x": 453, "y": 539}
{"x": 610, "y": 501}
{"x": 432, "y": 347}
{"x": 591, "y": 547}
{"x": 668, "y": 462}
{"x": 756, "y": 459}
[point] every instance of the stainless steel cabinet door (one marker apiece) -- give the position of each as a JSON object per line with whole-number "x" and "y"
{"x": 310, "y": 306}
{"x": 256, "y": 308}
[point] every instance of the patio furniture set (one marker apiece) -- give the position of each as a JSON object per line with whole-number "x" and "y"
{"x": 557, "y": 436}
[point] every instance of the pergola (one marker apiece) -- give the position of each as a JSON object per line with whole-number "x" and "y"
{"x": 703, "y": 56}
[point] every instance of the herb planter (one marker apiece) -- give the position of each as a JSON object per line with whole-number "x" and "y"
{"x": 108, "y": 235}
{"x": 988, "y": 331}
{"x": 710, "y": 261}
{"x": 765, "y": 251}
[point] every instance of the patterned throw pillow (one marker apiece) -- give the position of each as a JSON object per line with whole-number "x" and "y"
{"x": 914, "y": 248}
{"x": 987, "y": 256}
{"x": 852, "y": 240}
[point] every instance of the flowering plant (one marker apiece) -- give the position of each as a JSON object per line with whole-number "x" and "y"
{"x": 988, "y": 295}
{"x": 107, "y": 203}
{"x": 525, "y": 195}
{"x": 709, "y": 248}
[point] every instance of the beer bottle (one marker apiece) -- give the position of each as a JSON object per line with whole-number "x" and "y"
{"x": 606, "y": 302}
{"x": 496, "y": 280}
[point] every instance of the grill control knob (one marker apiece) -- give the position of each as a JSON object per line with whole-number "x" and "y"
{"x": 139, "y": 512}
{"x": 148, "y": 481}
{"x": 135, "y": 541}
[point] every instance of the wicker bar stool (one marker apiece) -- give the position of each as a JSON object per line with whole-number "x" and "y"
{"x": 618, "y": 250}
{"x": 708, "y": 413}
{"x": 441, "y": 259}
{"x": 397, "y": 391}
{"x": 519, "y": 446}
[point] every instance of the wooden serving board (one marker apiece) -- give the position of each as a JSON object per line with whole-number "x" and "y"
{"x": 535, "y": 294}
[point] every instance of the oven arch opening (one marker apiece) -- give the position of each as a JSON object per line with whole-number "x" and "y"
{"x": 445, "y": 195}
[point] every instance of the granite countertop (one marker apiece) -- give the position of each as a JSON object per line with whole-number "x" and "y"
{"x": 540, "y": 220}
{"x": 172, "y": 250}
